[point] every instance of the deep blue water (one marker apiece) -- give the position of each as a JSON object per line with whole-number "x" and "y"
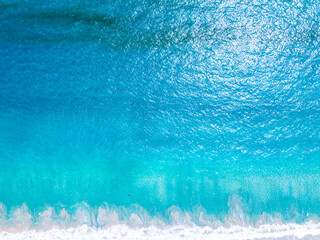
{"x": 192, "y": 104}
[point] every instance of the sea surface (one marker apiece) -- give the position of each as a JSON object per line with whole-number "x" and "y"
{"x": 160, "y": 119}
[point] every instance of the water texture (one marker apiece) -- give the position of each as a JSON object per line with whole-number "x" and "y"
{"x": 163, "y": 110}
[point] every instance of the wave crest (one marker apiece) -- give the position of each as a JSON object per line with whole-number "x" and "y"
{"x": 21, "y": 218}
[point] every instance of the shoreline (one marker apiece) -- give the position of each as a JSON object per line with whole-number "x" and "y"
{"x": 307, "y": 230}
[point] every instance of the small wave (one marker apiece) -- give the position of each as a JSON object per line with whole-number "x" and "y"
{"x": 82, "y": 221}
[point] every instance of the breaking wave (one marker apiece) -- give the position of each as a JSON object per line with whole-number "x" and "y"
{"x": 104, "y": 222}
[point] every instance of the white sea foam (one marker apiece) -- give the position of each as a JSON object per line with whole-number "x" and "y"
{"x": 105, "y": 222}
{"x": 283, "y": 231}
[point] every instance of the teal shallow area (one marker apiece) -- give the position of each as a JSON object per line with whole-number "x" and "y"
{"x": 192, "y": 104}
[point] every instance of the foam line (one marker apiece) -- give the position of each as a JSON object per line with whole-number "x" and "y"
{"x": 273, "y": 231}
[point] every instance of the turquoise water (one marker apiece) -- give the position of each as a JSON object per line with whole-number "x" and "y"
{"x": 161, "y": 106}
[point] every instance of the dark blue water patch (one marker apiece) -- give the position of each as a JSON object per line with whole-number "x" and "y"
{"x": 145, "y": 24}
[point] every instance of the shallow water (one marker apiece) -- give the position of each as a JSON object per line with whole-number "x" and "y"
{"x": 154, "y": 108}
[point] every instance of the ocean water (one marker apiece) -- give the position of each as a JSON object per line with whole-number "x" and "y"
{"x": 159, "y": 119}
